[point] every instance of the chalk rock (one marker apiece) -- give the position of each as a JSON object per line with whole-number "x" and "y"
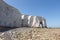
{"x": 9, "y": 16}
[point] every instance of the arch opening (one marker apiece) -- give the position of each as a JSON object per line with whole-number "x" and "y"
{"x": 41, "y": 25}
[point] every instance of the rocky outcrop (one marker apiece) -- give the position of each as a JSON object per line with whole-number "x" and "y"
{"x": 11, "y": 17}
{"x": 31, "y": 34}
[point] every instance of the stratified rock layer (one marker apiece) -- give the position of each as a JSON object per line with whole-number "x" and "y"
{"x": 31, "y": 34}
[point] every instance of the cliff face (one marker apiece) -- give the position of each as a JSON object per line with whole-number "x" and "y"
{"x": 31, "y": 34}
{"x": 11, "y": 17}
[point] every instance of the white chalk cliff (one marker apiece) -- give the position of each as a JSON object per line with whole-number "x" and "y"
{"x": 11, "y": 17}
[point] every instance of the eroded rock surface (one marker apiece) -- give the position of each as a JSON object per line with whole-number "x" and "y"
{"x": 11, "y": 17}
{"x": 31, "y": 34}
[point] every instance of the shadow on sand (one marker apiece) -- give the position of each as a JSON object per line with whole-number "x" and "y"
{"x": 3, "y": 29}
